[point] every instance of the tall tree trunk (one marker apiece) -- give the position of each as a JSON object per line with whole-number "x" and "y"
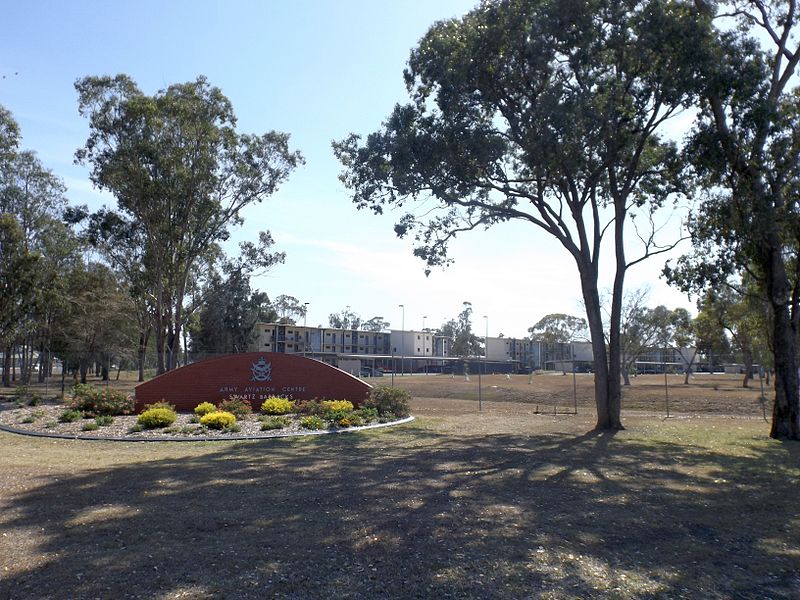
{"x": 7, "y": 366}
{"x": 105, "y": 366}
{"x": 83, "y": 367}
{"x": 786, "y": 410}
{"x": 747, "y": 359}
{"x": 608, "y": 416}
{"x": 626, "y": 376}
{"x": 142, "y": 352}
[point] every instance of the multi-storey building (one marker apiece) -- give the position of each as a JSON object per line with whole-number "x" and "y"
{"x": 423, "y": 350}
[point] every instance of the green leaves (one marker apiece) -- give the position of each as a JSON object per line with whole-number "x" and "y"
{"x": 182, "y": 175}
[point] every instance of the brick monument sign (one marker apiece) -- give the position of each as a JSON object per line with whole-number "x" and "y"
{"x": 254, "y": 376}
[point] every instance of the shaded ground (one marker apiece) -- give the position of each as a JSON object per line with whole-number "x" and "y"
{"x": 506, "y": 504}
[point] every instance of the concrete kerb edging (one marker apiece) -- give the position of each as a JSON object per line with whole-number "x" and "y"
{"x": 61, "y": 436}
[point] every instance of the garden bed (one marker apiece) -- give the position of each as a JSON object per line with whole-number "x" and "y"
{"x": 43, "y": 420}
{"x": 93, "y": 413}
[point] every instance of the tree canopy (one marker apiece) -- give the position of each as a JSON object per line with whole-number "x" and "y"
{"x": 181, "y": 173}
{"x": 745, "y": 149}
{"x": 546, "y": 112}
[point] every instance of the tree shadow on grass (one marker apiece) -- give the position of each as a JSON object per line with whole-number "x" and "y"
{"x": 413, "y": 513}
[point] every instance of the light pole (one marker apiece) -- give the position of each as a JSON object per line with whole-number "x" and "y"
{"x": 403, "y": 339}
{"x": 305, "y": 331}
{"x": 486, "y": 345}
{"x": 424, "y": 350}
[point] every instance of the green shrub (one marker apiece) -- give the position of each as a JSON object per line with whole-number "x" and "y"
{"x": 337, "y": 405}
{"x": 350, "y": 419}
{"x": 308, "y": 407}
{"x": 29, "y": 419}
{"x": 153, "y": 418}
{"x": 218, "y": 420}
{"x": 276, "y": 405}
{"x": 35, "y": 400}
{"x": 70, "y": 416}
{"x": 387, "y": 417}
{"x": 204, "y": 408}
{"x": 92, "y": 401}
{"x": 103, "y": 420}
{"x": 161, "y": 404}
{"x": 270, "y": 423}
{"x": 389, "y": 400}
{"x": 21, "y": 394}
{"x": 311, "y": 422}
{"x": 90, "y": 426}
{"x": 367, "y": 413}
{"x": 135, "y": 428}
{"x": 236, "y": 405}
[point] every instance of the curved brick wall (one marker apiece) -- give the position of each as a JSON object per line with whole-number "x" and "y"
{"x": 255, "y": 375}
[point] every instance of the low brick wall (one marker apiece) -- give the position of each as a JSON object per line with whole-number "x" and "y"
{"x": 255, "y": 376}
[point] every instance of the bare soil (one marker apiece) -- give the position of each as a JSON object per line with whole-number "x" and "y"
{"x": 505, "y": 503}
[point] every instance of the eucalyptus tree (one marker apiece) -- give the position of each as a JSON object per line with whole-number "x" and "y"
{"x": 345, "y": 319}
{"x": 181, "y": 172}
{"x": 459, "y": 335}
{"x": 545, "y": 112}
{"x": 17, "y": 286}
{"x": 97, "y": 324}
{"x": 745, "y": 148}
{"x": 375, "y": 324}
{"x": 121, "y": 241}
{"x": 34, "y": 196}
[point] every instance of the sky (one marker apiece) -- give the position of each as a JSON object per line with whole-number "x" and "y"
{"x": 319, "y": 70}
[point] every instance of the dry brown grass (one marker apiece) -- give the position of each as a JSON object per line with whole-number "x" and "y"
{"x": 503, "y": 504}
{"x": 705, "y": 393}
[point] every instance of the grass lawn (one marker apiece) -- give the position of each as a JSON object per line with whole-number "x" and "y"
{"x": 503, "y": 504}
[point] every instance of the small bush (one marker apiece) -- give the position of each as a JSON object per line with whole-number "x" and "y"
{"x": 367, "y": 413}
{"x": 389, "y": 400}
{"x": 337, "y": 405}
{"x": 35, "y": 400}
{"x": 21, "y": 394}
{"x": 92, "y": 401}
{"x": 104, "y": 420}
{"x": 153, "y": 418}
{"x": 204, "y": 408}
{"x": 70, "y": 416}
{"x": 271, "y": 423}
{"x": 350, "y": 420}
{"x": 387, "y": 417}
{"x": 194, "y": 419}
{"x": 135, "y": 428}
{"x": 160, "y": 404}
{"x": 90, "y": 426}
{"x": 218, "y": 420}
{"x": 311, "y": 422}
{"x": 277, "y": 406}
{"x": 308, "y": 407}
{"x": 28, "y": 419}
{"x": 236, "y": 405}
